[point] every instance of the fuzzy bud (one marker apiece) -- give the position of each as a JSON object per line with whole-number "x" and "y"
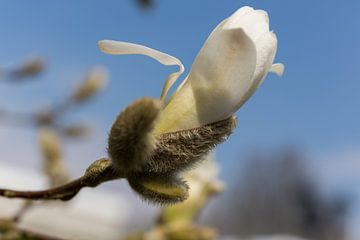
{"x": 181, "y": 150}
{"x": 53, "y": 162}
{"x": 30, "y": 68}
{"x": 160, "y": 189}
{"x": 131, "y": 140}
{"x": 50, "y": 144}
{"x": 92, "y": 84}
{"x": 100, "y": 171}
{"x": 77, "y": 131}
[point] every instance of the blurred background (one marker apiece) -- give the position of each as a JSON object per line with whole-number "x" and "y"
{"x": 296, "y": 146}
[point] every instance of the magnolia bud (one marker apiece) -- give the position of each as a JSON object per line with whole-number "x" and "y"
{"x": 131, "y": 140}
{"x": 181, "y": 150}
{"x": 30, "y": 68}
{"x": 77, "y": 131}
{"x": 92, "y": 84}
{"x": 50, "y": 144}
{"x": 161, "y": 189}
{"x": 53, "y": 163}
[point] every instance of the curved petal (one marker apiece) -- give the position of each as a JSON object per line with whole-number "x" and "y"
{"x": 278, "y": 69}
{"x": 219, "y": 78}
{"x": 266, "y": 47}
{"x": 117, "y": 48}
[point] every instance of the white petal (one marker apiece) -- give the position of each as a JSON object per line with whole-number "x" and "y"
{"x": 254, "y": 23}
{"x": 117, "y": 48}
{"x": 219, "y": 78}
{"x": 278, "y": 69}
{"x": 266, "y": 47}
{"x": 233, "y": 20}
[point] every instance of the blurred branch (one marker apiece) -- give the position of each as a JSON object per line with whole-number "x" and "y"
{"x": 93, "y": 83}
{"x": 76, "y": 131}
{"x": 17, "y": 118}
{"x": 9, "y": 231}
{"x": 48, "y": 122}
{"x": 20, "y": 213}
{"x": 28, "y": 69}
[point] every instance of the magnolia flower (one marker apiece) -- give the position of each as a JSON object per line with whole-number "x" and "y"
{"x": 152, "y": 142}
{"x": 231, "y": 65}
{"x": 228, "y": 69}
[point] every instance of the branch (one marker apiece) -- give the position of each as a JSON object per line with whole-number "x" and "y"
{"x": 100, "y": 171}
{"x": 21, "y": 212}
{"x": 17, "y": 118}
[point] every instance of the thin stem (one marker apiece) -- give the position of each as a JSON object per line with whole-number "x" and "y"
{"x": 100, "y": 171}
{"x": 64, "y": 192}
{"x": 62, "y": 107}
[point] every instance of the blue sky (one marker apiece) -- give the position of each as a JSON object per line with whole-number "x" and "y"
{"x": 314, "y": 106}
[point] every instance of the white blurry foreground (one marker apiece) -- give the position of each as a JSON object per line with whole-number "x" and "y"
{"x": 93, "y": 214}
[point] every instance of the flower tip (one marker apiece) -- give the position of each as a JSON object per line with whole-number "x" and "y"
{"x": 243, "y": 10}
{"x": 104, "y": 46}
{"x": 116, "y": 47}
{"x": 278, "y": 69}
